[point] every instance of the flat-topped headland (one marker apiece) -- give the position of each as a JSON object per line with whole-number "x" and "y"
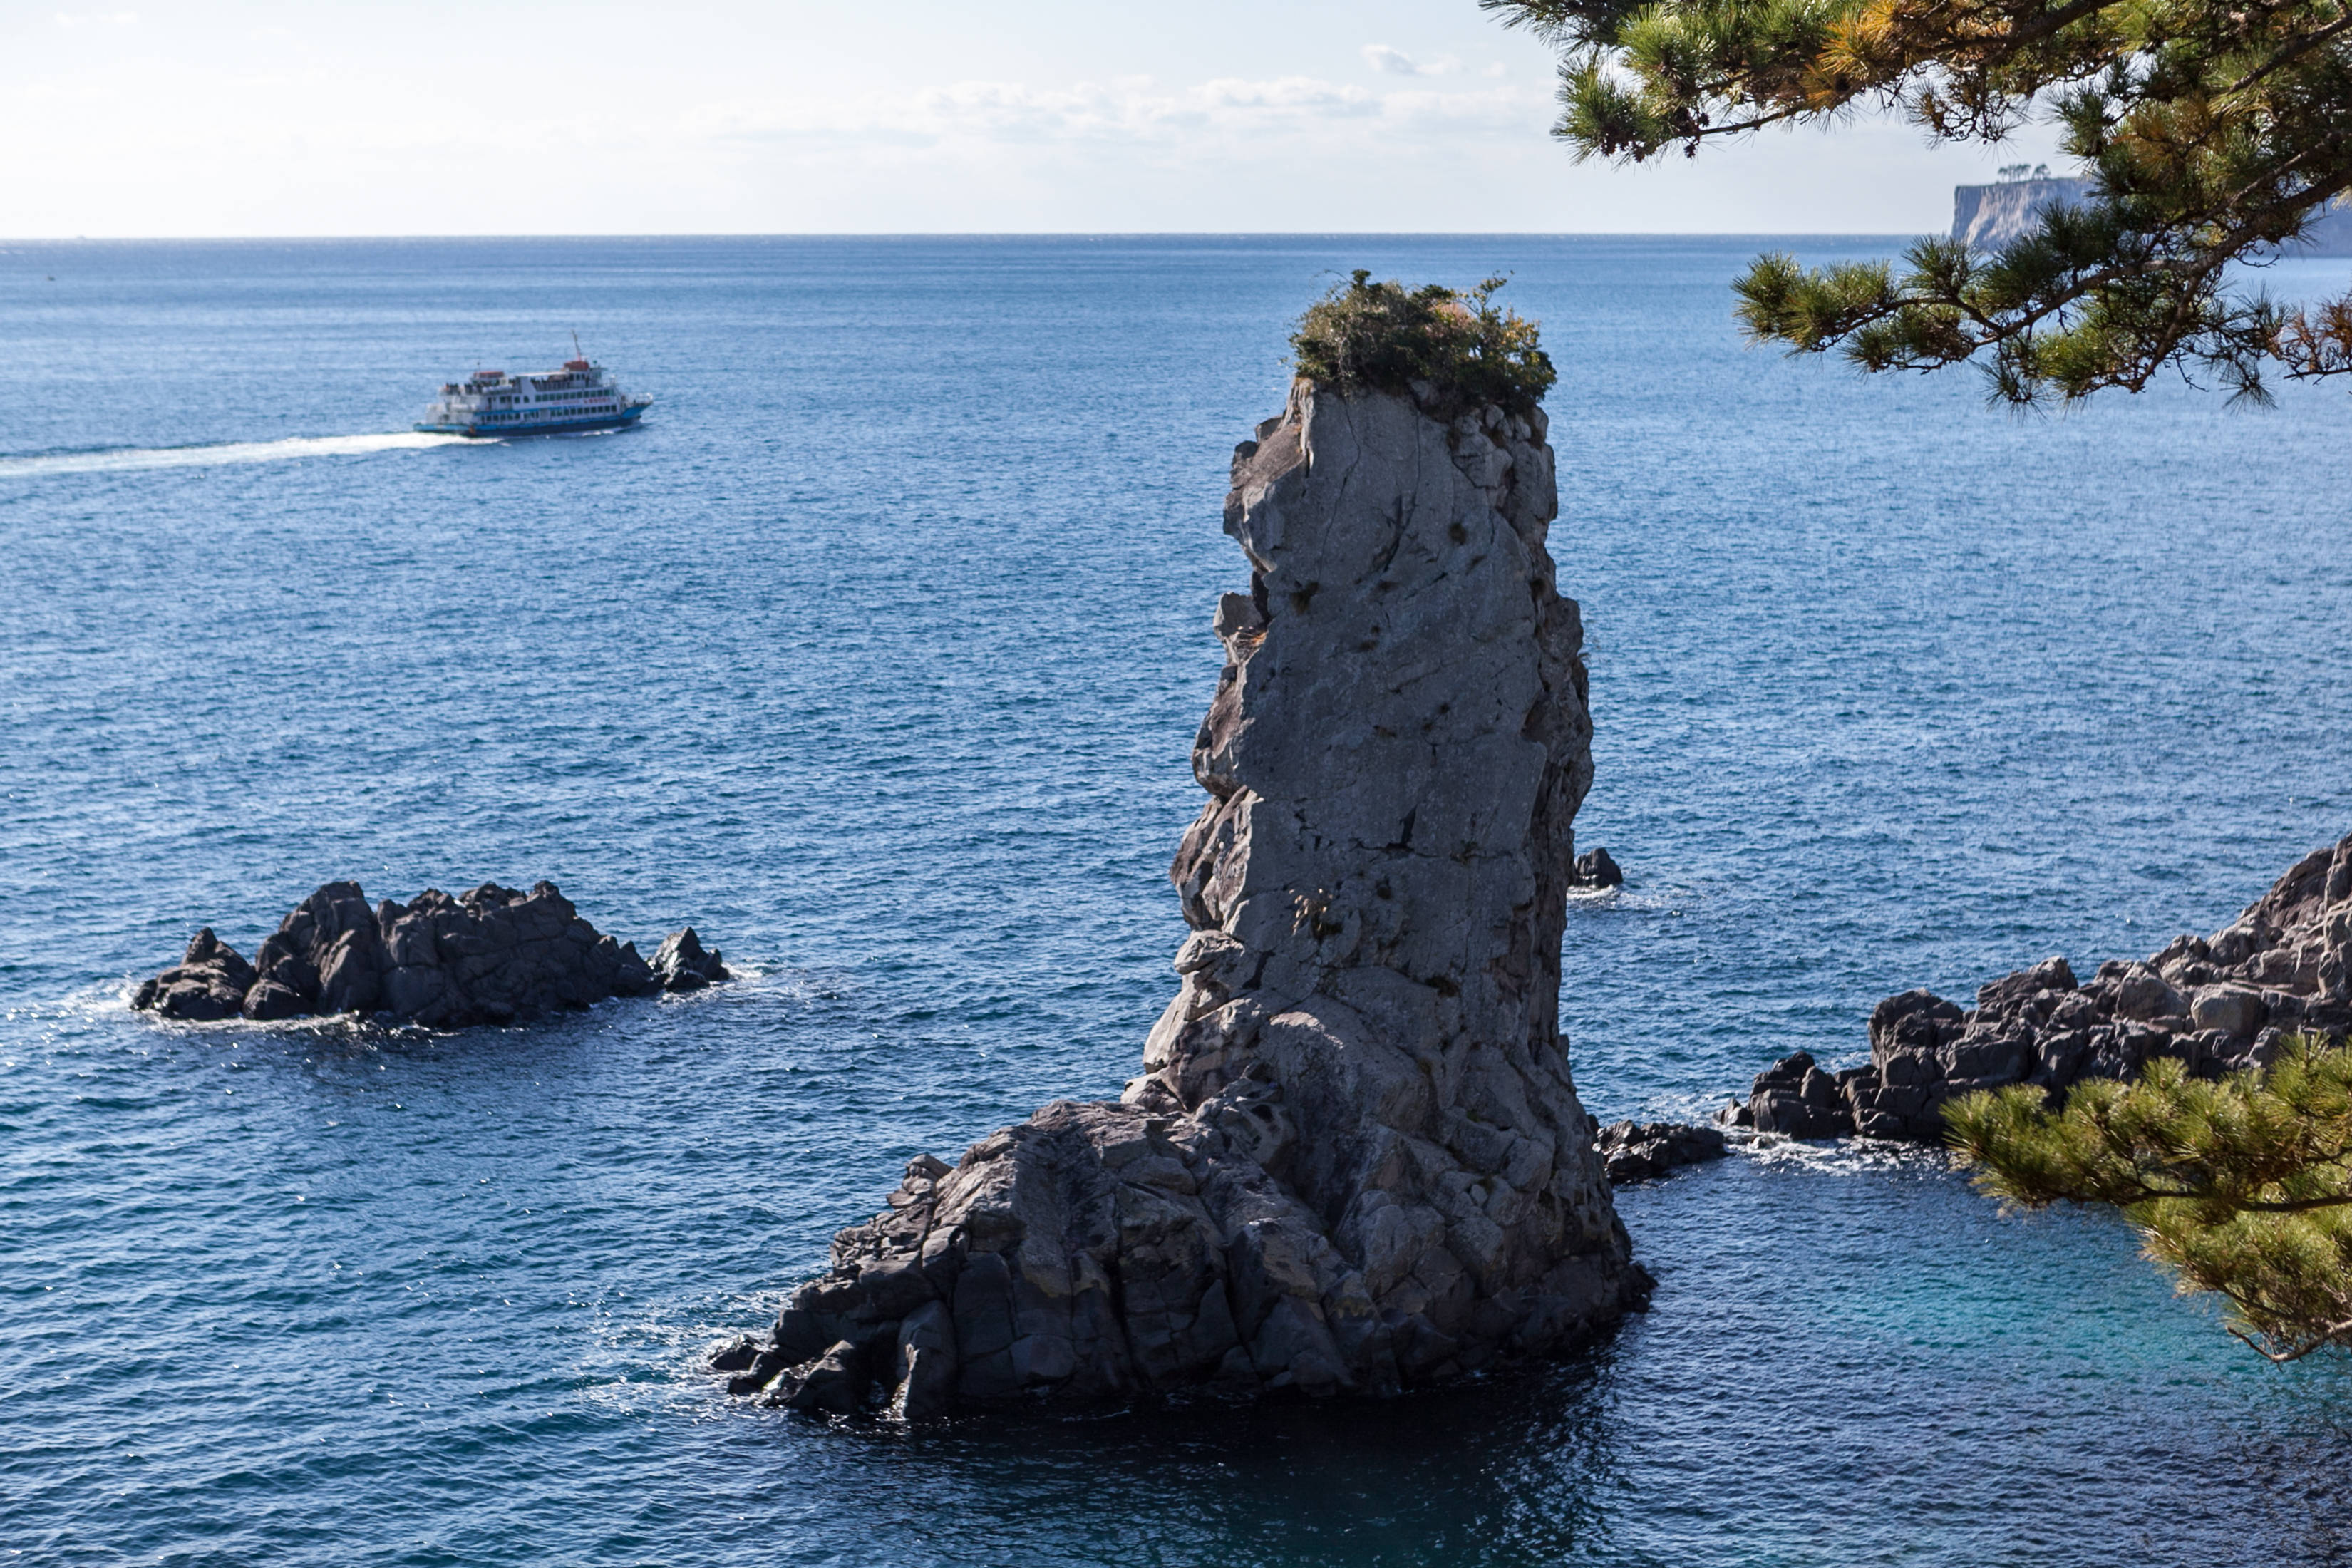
{"x": 1990, "y": 217}
{"x": 1354, "y": 1160}
{"x": 2218, "y": 1004}
{"x": 490, "y": 956}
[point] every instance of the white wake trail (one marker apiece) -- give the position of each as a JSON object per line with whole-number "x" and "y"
{"x": 130, "y": 460}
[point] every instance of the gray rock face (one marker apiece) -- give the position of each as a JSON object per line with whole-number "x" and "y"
{"x": 1987, "y": 217}
{"x": 489, "y": 957}
{"x": 2218, "y": 1003}
{"x": 1354, "y": 1160}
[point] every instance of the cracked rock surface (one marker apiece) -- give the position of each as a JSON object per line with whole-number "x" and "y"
{"x": 2219, "y": 1004}
{"x": 1354, "y": 1160}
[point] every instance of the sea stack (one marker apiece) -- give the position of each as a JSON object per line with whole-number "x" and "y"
{"x": 1354, "y": 1161}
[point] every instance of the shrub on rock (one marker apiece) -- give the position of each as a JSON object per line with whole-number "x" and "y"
{"x": 1450, "y": 350}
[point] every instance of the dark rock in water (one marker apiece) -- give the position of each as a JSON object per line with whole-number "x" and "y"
{"x": 765, "y": 1368}
{"x": 1794, "y": 1097}
{"x": 350, "y": 974}
{"x": 209, "y": 983}
{"x": 927, "y": 1361}
{"x": 491, "y": 956}
{"x": 735, "y": 1355}
{"x": 1594, "y": 869}
{"x": 1355, "y": 1160}
{"x": 681, "y": 965}
{"x": 2218, "y": 1004}
{"x": 269, "y": 1001}
{"x": 836, "y": 1383}
{"x": 1641, "y": 1151}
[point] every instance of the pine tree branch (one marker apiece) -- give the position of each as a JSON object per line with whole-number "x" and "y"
{"x": 2242, "y": 1186}
{"x": 2214, "y": 133}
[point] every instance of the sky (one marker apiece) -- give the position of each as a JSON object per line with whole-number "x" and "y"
{"x": 216, "y": 118}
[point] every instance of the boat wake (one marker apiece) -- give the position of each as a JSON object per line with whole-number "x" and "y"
{"x": 125, "y": 459}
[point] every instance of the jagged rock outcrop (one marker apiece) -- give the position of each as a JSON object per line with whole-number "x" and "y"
{"x": 682, "y": 963}
{"x": 209, "y": 981}
{"x": 488, "y": 957}
{"x": 2218, "y": 1003}
{"x": 1354, "y": 1160}
{"x": 1642, "y": 1150}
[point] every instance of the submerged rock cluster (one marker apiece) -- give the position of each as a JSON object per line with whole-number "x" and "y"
{"x": 1354, "y": 1160}
{"x": 1642, "y": 1150}
{"x": 2218, "y": 1003}
{"x": 486, "y": 957}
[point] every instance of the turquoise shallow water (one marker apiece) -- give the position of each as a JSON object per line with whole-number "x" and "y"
{"x": 876, "y": 653}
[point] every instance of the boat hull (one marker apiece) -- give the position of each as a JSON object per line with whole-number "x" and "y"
{"x": 553, "y": 428}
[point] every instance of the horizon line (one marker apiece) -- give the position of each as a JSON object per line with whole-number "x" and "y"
{"x": 966, "y": 233}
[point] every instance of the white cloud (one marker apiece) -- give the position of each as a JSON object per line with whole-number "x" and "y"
{"x": 1127, "y": 110}
{"x": 1396, "y": 62}
{"x": 791, "y": 116}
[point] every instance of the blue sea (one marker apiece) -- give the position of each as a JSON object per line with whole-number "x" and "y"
{"x": 877, "y": 654}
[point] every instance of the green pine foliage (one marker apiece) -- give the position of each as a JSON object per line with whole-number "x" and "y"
{"x": 2213, "y": 132}
{"x": 1383, "y": 337}
{"x": 2240, "y": 1186}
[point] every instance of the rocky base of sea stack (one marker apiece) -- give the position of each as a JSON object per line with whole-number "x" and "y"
{"x": 490, "y": 956}
{"x": 1187, "y": 1268}
{"x": 1181, "y": 1266}
{"x": 2218, "y": 1004}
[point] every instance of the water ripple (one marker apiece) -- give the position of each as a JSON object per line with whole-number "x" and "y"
{"x": 876, "y": 653}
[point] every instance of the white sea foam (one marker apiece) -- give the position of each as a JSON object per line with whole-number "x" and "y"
{"x": 132, "y": 459}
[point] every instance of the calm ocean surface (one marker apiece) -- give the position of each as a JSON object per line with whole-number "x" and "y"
{"x": 876, "y": 653}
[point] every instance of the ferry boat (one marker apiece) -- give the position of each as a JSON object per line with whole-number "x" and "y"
{"x": 579, "y": 396}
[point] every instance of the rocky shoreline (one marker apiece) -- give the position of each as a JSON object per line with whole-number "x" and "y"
{"x": 2218, "y": 1004}
{"x": 1355, "y": 1161}
{"x": 490, "y": 956}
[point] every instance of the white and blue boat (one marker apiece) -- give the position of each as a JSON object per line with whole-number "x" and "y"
{"x": 579, "y": 396}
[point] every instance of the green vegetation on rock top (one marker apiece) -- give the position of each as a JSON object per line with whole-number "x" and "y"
{"x": 1384, "y": 337}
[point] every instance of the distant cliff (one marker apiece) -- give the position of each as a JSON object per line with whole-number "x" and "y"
{"x": 1987, "y": 217}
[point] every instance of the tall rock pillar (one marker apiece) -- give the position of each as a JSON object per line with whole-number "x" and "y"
{"x": 1354, "y": 1160}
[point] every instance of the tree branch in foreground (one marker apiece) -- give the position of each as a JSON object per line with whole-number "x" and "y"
{"x": 2243, "y": 1188}
{"x": 2214, "y": 133}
